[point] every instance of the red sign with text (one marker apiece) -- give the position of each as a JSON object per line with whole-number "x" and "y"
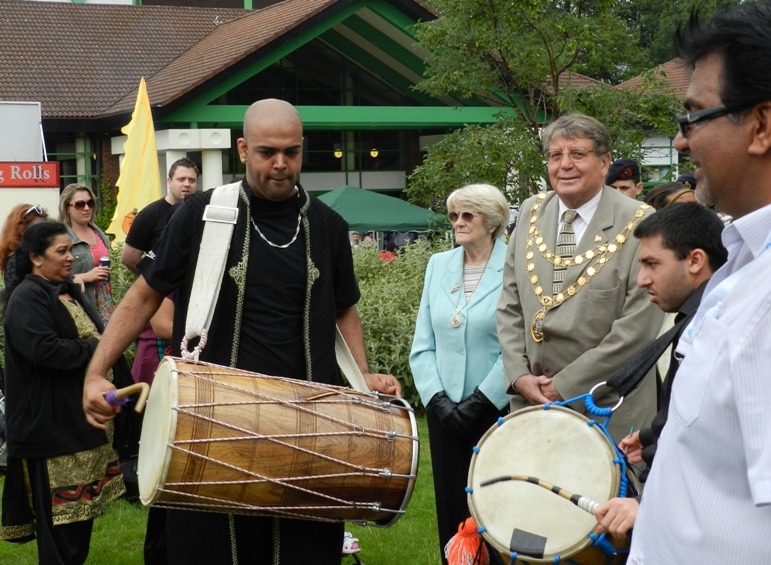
{"x": 23, "y": 174}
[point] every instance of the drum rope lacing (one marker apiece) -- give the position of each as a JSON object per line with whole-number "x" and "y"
{"x": 295, "y": 405}
{"x": 345, "y": 397}
{"x": 192, "y": 356}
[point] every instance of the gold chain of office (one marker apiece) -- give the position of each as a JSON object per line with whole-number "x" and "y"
{"x": 601, "y": 253}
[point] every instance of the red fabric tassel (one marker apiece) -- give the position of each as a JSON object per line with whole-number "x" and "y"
{"x": 466, "y": 547}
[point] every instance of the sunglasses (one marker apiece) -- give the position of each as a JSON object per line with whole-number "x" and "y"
{"x": 465, "y": 216}
{"x": 81, "y": 204}
{"x": 36, "y": 209}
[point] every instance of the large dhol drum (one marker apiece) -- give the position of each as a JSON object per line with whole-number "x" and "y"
{"x": 219, "y": 439}
{"x": 559, "y": 447}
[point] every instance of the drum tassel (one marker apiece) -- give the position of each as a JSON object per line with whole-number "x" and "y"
{"x": 466, "y": 547}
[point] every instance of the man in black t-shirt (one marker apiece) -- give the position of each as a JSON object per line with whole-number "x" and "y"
{"x": 288, "y": 281}
{"x": 149, "y": 223}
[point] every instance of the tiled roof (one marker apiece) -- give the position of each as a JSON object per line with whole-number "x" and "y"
{"x": 569, "y": 78}
{"x": 85, "y": 60}
{"x": 226, "y": 45}
{"x": 674, "y": 72}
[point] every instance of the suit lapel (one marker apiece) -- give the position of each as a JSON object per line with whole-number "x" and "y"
{"x": 452, "y": 279}
{"x": 598, "y": 230}
{"x": 489, "y": 282}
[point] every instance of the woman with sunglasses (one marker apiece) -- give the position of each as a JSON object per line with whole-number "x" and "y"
{"x": 455, "y": 359}
{"x": 19, "y": 219}
{"x": 77, "y": 208}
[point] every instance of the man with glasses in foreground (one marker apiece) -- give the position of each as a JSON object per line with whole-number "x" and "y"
{"x": 571, "y": 312}
{"x": 708, "y": 496}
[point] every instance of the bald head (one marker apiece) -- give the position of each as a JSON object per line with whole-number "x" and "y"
{"x": 271, "y": 148}
{"x": 271, "y": 109}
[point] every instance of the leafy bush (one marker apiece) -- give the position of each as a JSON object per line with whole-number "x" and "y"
{"x": 120, "y": 281}
{"x": 390, "y": 297}
{"x": 120, "y": 277}
{"x": 108, "y": 199}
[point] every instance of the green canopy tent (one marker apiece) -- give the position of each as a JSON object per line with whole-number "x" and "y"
{"x": 365, "y": 210}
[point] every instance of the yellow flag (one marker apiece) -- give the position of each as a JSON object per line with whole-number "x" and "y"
{"x": 139, "y": 182}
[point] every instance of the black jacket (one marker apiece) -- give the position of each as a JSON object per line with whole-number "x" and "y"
{"x": 45, "y": 364}
{"x": 649, "y": 436}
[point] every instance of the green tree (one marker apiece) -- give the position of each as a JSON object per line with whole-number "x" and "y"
{"x": 520, "y": 55}
{"x": 390, "y": 297}
{"x": 653, "y": 23}
{"x": 629, "y": 115}
{"x": 502, "y": 154}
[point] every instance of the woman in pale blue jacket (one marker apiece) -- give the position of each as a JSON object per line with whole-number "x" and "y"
{"x": 455, "y": 358}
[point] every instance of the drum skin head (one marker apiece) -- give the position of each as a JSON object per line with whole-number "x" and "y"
{"x": 557, "y": 446}
{"x": 158, "y": 427}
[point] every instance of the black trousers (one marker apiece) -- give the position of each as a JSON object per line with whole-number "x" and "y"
{"x": 204, "y": 538}
{"x": 450, "y": 460}
{"x": 155, "y": 550}
{"x": 65, "y": 544}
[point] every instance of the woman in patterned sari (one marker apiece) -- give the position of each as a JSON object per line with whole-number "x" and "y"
{"x": 61, "y": 471}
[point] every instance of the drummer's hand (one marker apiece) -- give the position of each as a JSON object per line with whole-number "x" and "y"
{"x": 632, "y": 447}
{"x": 387, "y": 384}
{"x": 617, "y": 516}
{"x": 529, "y": 386}
{"x": 98, "y": 410}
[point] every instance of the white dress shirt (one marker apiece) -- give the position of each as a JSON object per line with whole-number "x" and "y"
{"x": 584, "y": 215}
{"x": 708, "y": 496}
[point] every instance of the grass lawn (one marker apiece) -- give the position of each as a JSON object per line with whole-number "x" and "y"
{"x": 119, "y": 533}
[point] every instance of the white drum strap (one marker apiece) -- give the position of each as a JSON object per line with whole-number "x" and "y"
{"x": 347, "y": 365}
{"x": 220, "y": 218}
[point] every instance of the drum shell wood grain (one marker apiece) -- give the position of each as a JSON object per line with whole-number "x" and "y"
{"x": 226, "y": 440}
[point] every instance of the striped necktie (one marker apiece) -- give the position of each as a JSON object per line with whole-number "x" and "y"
{"x": 566, "y": 246}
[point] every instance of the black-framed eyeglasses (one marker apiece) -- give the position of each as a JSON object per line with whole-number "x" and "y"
{"x": 36, "y": 209}
{"x": 465, "y": 216}
{"x": 81, "y": 204}
{"x": 685, "y": 121}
